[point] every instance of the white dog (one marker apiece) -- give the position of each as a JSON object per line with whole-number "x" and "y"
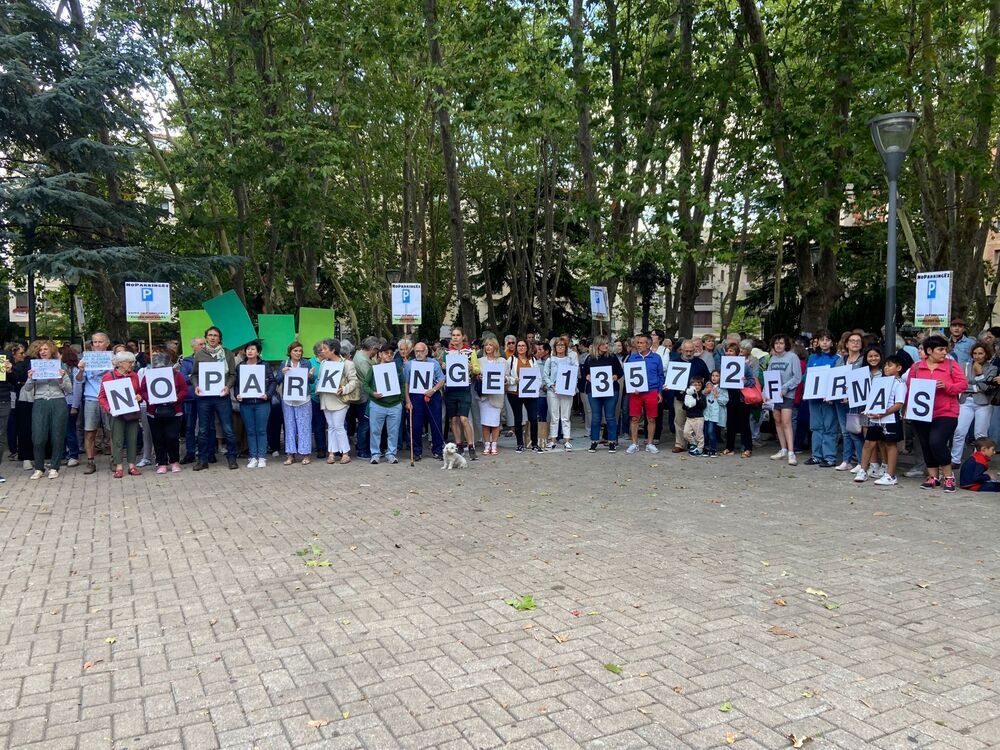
{"x": 452, "y": 458}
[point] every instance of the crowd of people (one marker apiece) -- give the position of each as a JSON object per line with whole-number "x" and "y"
{"x": 387, "y": 396}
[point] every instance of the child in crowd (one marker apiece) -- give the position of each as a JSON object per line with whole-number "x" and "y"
{"x": 973, "y": 475}
{"x": 716, "y": 400}
{"x": 886, "y": 428}
{"x": 694, "y": 408}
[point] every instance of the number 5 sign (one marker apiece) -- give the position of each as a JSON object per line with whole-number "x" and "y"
{"x": 636, "y": 380}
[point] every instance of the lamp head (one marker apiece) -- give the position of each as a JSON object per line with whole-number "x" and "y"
{"x": 892, "y": 135}
{"x": 393, "y": 275}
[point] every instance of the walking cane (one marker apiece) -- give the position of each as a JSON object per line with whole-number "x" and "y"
{"x": 410, "y": 420}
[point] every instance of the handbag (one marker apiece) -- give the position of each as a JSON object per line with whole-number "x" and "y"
{"x": 132, "y": 416}
{"x": 752, "y": 395}
{"x": 854, "y": 423}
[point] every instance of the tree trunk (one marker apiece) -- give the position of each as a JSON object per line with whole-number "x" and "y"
{"x": 467, "y": 306}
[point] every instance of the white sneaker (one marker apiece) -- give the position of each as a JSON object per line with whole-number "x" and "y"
{"x": 876, "y": 470}
{"x": 252, "y": 463}
{"x": 73, "y": 462}
{"x": 143, "y": 462}
{"x": 568, "y": 445}
{"x": 551, "y": 445}
{"x": 861, "y": 476}
{"x": 917, "y": 471}
{"x": 26, "y": 465}
{"x": 633, "y": 448}
{"x": 842, "y": 466}
{"x": 650, "y": 448}
{"x": 792, "y": 460}
{"x": 886, "y": 480}
{"x": 53, "y": 474}
{"x": 275, "y": 454}
{"x": 261, "y": 462}
{"x": 37, "y": 474}
{"x": 856, "y": 469}
{"x": 780, "y": 454}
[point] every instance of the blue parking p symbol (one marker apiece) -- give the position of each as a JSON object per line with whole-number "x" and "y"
{"x": 931, "y": 289}
{"x": 146, "y": 294}
{"x": 406, "y": 296}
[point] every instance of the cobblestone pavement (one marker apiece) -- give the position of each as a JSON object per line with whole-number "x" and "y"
{"x": 743, "y": 601}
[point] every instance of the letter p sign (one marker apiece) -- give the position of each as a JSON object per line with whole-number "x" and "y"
{"x": 146, "y": 294}
{"x": 406, "y": 296}
{"x": 931, "y": 289}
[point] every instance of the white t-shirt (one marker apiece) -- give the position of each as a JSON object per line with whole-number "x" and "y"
{"x": 897, "y": 396}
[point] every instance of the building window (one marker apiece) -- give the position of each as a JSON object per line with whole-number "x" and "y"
{"x": 703, "y": 318}
{"x": 704, "y": 297}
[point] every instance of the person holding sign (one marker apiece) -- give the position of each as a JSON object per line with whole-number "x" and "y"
{"x": 335, "y": 404}
{"x": 676, "y": 387}
{"x": 737, "y": 412}
{"x": 522, "y": 360}
{"x": 94, "y": 418}
{"x": 386, "y": 396}
{"x": 559, "y": 365}
{"x": 935, "y": 436}
{"x": 125, "y": 426}
{"x": 785, "y": 361}
{"x": 823, "y": 414}
{"x": 601, "y": 374}
{"x": 458, "y": 397}
{"x": 47, "y": 390}
{"x": 646, "y": 402}
{"x": 163, "y": 381}
{"x": 214, "y": 403}
{"x": 425, "y": 378}
{"x": 492, "y": 377}
{"x": 885, "y": 428}
{"x": 255, "y": 385}
{"x": 296, "y": 408}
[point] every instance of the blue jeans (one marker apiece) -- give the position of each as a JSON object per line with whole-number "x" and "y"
{"x": 853, "y": 444}
{"x": 390, "y": 417}
{"x": 208, "y": 408}
{"x": 823, "y": 421}
{"x": 711, "y": 436}
{"x": 362, "y": 432}
{"x": 191, "y": 429}
{"x": 255, "y": 414}
{"x": 427, "y": 412}
{"x": 602, "y": 407}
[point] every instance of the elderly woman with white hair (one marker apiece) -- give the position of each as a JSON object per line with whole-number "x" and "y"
{"x": 124, "y": 427}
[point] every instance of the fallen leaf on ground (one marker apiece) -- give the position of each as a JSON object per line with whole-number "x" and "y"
{"x": 613, "y": 668}
{"x": 765, "y": 563}
{"x": 525, "y": 602}
{"x": 561, "y": 637}
{"x": 780, "y": 602}
{"x": 806, "y": 694}
{"x": 529, "y": 626}
{"x": 677, "y": 689}
{"x": 644, "y": 710}
{"x": 89, "y": 664}
{"x": 213, "y": 621}
{"x": 346, "y": 714}
{"x": 880, "y": 514}
{"x": 816, "y": 592}
{"x": 592, "y": 612}
{"x": 726, "y": 707}
{"x": 317, "y": 723}
{"x": 110, "y": 639}
{"x": 644, "y": 674}
{"x": 318, "y": 563}
{"x": 730, "y": 738}
{"x": 799, "y": 741}
{"x": 354, "y": 548}
{"x": 778, "y": 630}
{"x": 832, "y": 605}
{"x": 575, "y": 612}
{"x": 923, "y": 584}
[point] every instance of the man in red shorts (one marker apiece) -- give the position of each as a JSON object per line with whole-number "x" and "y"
{"x": 649, "y": 400}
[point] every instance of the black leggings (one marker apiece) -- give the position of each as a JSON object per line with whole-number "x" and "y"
{"x": 166, "y": 439}
{"x": 737, "y": 420}
{"x": 935, "y": 440}
{"x": 531, "y": 406}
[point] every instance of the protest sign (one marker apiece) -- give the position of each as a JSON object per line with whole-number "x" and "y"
{"x": 160, "y": 385}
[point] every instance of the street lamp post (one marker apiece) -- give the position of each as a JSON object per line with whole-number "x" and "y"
{"x": 72, "y": 279}
{"x": 892, "y": 135}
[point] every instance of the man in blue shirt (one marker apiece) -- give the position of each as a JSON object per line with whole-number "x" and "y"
{"x": 426, "y": 407}
{"x": 648, "y": 401}
{"x": 961, "y": 345}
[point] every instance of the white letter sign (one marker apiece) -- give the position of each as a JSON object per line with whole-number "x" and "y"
{"x": 858, "y": 383}
{"x": 920, "y": 399}
{"x": 121, "y": 396}
{"x": 252, "y": 381}
{"x": 421, "y": 377}
{"x": 772, "y": 386}
{"x": 296, "y": 385}
{"x": 160, "y": 386}
{"x": 566, "y": 380}
{"x": 816, "y": 382}
{"x": 678, "y": 374}
{"x": 386, "y": 378}
{"x": 838, "y": 381}
{"x": 211, "y": 378}
{"x": 529, "y": 382}
{"x": 456, "y": 370}
{"x": 330, "y": 375}
{"x": 492, "y": 378}
{"x": 878, "y": 398}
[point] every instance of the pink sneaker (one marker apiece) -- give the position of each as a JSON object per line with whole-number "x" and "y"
{"x": 161, "y": 469}
{"x": 175, "y": 468}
